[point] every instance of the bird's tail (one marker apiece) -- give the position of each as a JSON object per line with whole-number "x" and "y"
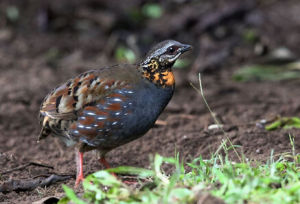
{"x": 46, "y": 130}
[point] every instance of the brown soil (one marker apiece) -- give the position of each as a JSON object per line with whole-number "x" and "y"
{"x": 34, "y": 58}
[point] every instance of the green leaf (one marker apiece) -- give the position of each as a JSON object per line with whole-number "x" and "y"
{"x": 152, "y": 10}
{"x": 125, "y": 54}
{"x": 182, "y": 194}
{"x": 285, "y": 123}
{"x": 181, "y": 63}
{"x": 106, "y": 178}
{"x": 250, "y": 35}
{"x": 12, "y": 13}
{"x": 64, "y": 200}
{"x": 158, "y": 160}
{"x": 273, "y": 126}
{"x": 91, "y": 187}
{"x": 141, "y": 172}
{"x": 265, "y": 73}
{"x": 72, "y": 196}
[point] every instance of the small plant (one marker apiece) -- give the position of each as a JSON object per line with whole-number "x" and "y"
{"x": 12, "y": 14}
{"x": 285, "y": 123}
{"x": 267, "y": 72}
{"x": 273, "y": 182}
{"x": 181, "y": 63}
{"x": 152, "y": 10}
{"x": 125, "y": 54}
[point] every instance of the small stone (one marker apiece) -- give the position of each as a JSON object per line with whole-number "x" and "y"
{"x": 215, "y": 126}
{"x": 5, "y": 34}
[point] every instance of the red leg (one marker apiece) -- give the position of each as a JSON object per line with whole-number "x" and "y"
{"x": 103, "y": 161}
{"x": 79, "y": 161}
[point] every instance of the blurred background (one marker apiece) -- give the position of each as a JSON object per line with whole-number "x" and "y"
{"x": 247, "y": 51}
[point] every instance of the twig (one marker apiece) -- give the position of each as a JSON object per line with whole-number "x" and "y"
{"x": 185, "y": 116}
{"x": 54, "y": 173}
{"x": 27, "y": 185}
{"x": 215, "y": 119}
{"x": 26, "y": 165}
{"x": 161, "y": 122}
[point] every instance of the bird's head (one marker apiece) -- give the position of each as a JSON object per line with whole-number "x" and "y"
{"x": 165, "y": 53}
{"x": 157, "y": 65}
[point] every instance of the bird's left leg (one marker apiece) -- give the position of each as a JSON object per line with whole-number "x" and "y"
{"x": 103, "y": 161}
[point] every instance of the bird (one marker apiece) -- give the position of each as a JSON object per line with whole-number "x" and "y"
{"x": 105, "y": 108}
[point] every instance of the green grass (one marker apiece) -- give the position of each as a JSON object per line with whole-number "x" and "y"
{"x": 285, "y": 123}
{"x": 253, "y": 182}
{"x": 267, "y": 72}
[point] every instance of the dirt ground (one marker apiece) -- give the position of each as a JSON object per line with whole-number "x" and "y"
{"x": 51, "y": 41}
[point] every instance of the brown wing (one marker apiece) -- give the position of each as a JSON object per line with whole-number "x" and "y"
{"x": 61, "y": 107}
{"x": 66, "y": 100}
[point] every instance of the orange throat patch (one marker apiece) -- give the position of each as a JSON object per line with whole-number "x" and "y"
{"x": 164, "y": 78}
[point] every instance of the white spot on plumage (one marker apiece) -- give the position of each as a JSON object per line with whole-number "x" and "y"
{"x": 129, "y": 92}
{"x": 117, "y": 100}
{"x": 101, "y": 118}
{"x": 82, "y": 118}
{"x": 90, "y": 113}
{"x": 75, "y": 132}
{"x": 117, "y": 113}
{"x": 88, "y": 127}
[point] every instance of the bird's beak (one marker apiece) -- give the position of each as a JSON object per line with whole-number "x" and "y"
{"x": 185, "y": 47}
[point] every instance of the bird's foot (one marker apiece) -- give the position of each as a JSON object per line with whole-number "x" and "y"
{"x": 79, "y": 179}
{"x": 127, "y": 182}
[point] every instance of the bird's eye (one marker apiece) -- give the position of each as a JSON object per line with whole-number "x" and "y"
{"x": 171, "y": 50}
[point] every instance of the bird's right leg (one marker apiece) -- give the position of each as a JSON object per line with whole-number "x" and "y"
{"x": 79, "y": 165}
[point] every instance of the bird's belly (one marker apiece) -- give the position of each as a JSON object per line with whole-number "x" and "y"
{"x": 137, "y": 115}
{"x": 143, "y": 115}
